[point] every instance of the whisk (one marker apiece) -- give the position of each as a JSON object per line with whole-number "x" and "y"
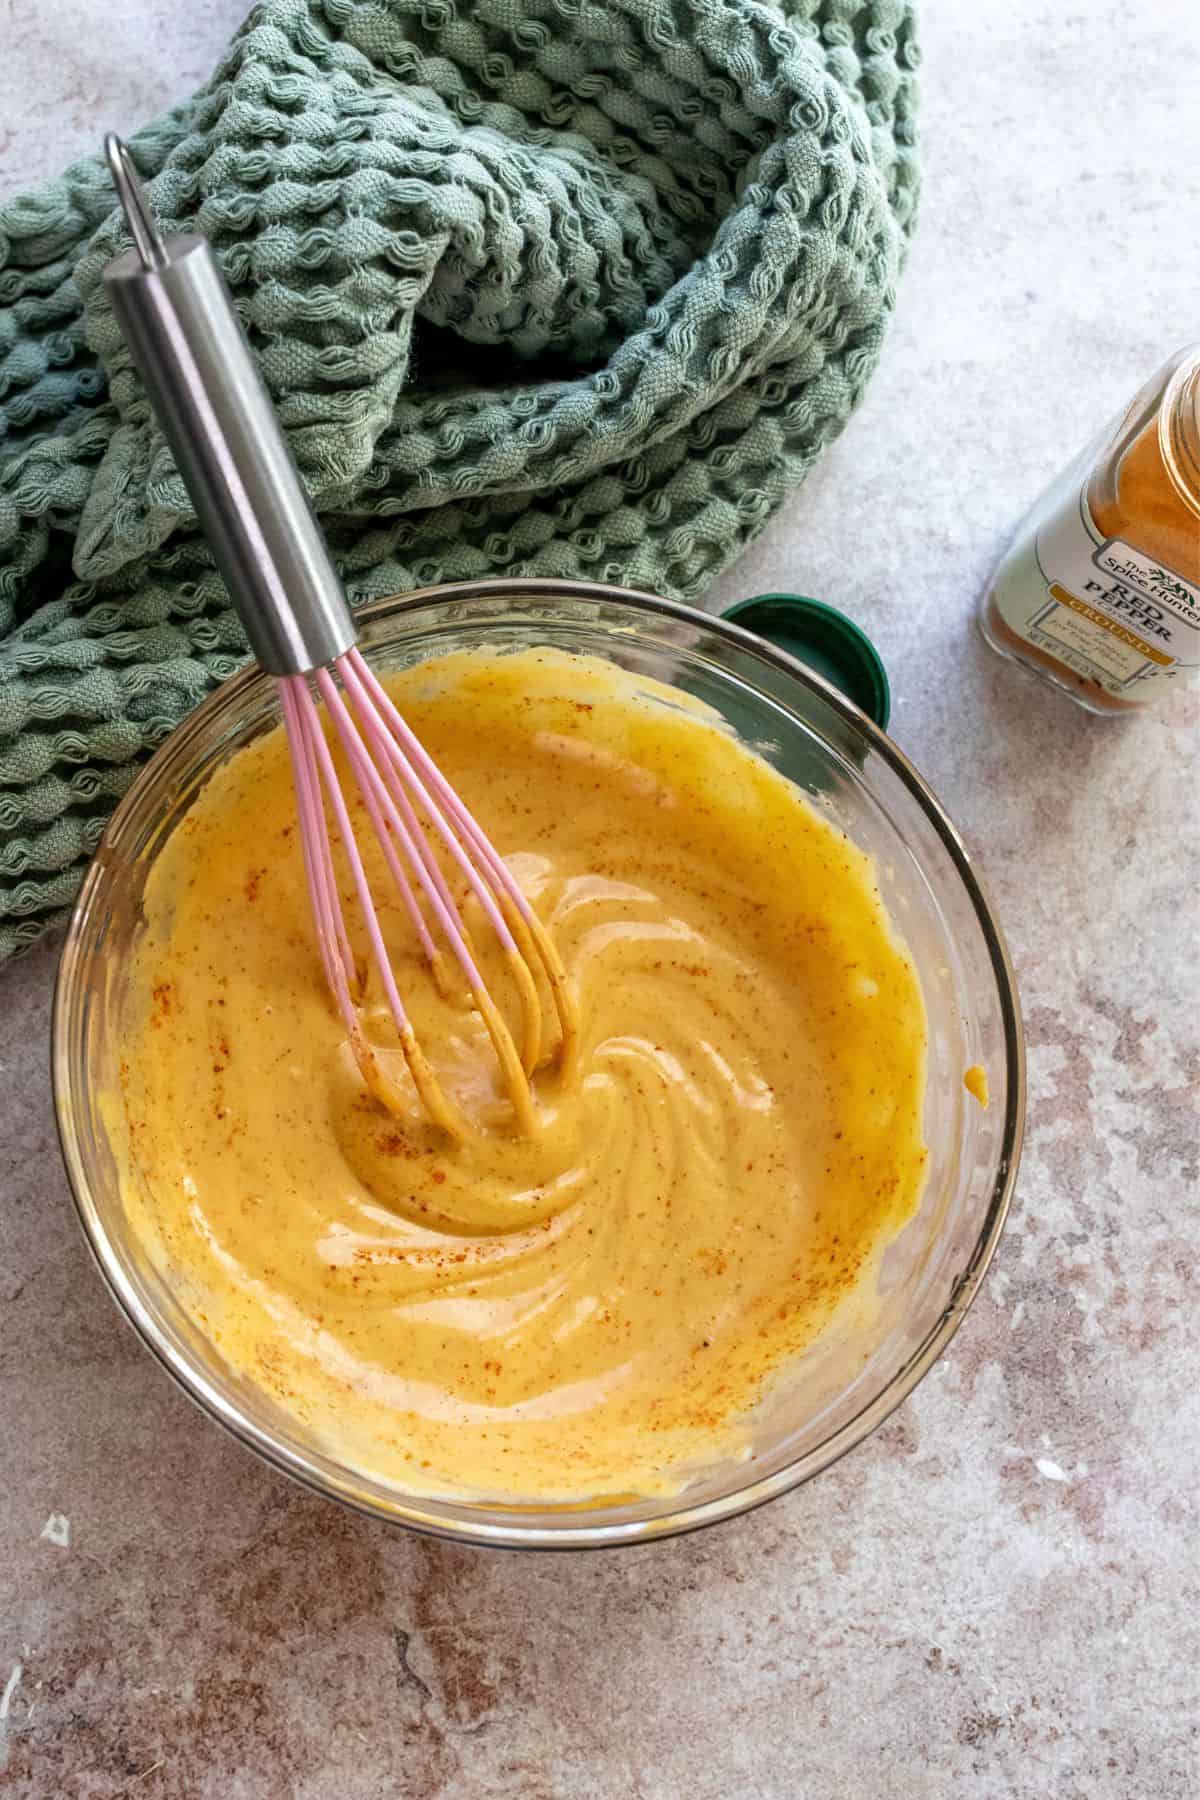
{"x": 177, "y": 317}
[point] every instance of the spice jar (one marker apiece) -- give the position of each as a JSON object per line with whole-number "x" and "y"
{"x": 1100, "y": 592}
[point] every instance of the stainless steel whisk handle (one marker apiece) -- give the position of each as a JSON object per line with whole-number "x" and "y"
{"x": 178, "y": 319}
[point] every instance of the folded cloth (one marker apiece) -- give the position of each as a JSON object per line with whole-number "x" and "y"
{"x": 539, "y": 287}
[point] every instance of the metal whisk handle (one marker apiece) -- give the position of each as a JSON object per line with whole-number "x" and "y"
{"x": 177, "y": 317}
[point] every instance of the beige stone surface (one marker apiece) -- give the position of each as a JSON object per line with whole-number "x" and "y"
{"x": 998, "y": 1595}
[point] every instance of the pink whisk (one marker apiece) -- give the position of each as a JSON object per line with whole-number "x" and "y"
{"x": 175, "y": 312}
{"x": 397, "y": 780}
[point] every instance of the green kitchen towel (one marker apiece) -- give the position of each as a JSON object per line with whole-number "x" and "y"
{"x": 540, "y": 287}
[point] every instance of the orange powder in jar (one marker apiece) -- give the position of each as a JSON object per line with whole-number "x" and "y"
{"x": 1101, "y": 589}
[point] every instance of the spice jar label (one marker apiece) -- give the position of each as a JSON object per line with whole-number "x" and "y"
{"x": 1097, "y": 604}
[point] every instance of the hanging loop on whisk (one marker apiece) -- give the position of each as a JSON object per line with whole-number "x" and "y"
{"x": 138, "y": 216}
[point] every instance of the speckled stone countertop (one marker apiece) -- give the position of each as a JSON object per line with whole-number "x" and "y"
{"x": 997, "y": 1595}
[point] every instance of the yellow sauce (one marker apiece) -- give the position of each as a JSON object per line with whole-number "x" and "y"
{"x": 597, "y": 1309}
{"x": 976, "y": 1083}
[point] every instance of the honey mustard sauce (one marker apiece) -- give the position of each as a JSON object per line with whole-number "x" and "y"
{"x": 595, "y": 1308}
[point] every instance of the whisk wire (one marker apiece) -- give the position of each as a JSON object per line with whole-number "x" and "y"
{"x": 373, "y": 731}
{"x": 369, "y": 785}
{"x": 411, "y": 807}
{"x": 387, "y": 823}
{"x": 506, "y": 905}
{"x": 328, "y": 904}
{"x": 332, "y": 942}
{"x": 367, "y": 691}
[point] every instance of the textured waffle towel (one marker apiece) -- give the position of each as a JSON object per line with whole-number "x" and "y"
{"x": 540, "y": 287}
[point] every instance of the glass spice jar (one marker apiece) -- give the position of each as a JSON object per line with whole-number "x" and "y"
{"x": 1100, "y": 591}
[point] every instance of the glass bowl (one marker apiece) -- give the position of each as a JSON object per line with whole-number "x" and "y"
{"x": 845, "y": 1385}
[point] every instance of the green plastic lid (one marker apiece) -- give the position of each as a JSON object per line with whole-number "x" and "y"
{"x": 826, "y": 641}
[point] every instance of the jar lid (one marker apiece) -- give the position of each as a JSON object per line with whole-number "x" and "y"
{"x": 826, "y": 641}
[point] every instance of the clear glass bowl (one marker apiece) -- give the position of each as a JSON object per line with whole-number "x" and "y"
{"x": 844, "y": 1387}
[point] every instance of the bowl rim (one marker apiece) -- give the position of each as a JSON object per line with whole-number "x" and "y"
{"x": 421, "y": 1514}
